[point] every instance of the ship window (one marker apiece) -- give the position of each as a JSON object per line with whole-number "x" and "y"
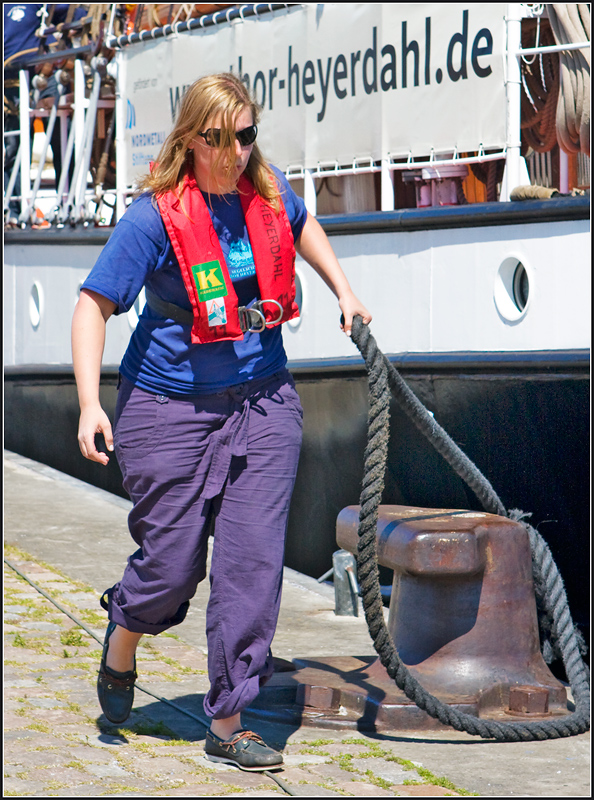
{"x": 36, "y": 305}
{"x": 520, "y": 286}
{"x": 512, "y": 290}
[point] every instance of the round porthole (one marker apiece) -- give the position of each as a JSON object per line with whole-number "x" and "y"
{"x": 36, "y": 305}
{"x": 521, "y": 287}
{"x": 299, "y": 293}
{"x": 512, "y": 289}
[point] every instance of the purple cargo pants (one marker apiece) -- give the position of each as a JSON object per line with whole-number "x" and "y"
{"x": 232, "y": 455}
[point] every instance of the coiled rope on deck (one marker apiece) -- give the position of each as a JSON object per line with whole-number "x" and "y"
{"x": 384, "y": 380}
{"x": 571, "y": 23}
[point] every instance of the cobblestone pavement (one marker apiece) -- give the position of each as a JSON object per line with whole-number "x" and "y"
{"x": 57, "y": 743}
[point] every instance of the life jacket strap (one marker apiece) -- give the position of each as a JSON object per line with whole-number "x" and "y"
{"x": 251, "y": 319}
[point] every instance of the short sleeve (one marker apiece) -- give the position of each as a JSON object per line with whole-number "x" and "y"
{"x": 131, "y": 255}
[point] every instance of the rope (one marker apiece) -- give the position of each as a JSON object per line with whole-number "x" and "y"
{"x": 571, "y": 23}
{"x": 383, "y": 379}
{"x": 540, "y": 79}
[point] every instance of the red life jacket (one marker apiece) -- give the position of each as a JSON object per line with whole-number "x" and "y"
{"x": 205, "y": 273}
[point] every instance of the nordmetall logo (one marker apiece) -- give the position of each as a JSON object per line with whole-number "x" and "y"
{"x": 209, "y": 280}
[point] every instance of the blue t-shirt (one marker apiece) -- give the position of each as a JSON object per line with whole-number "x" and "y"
{"x": 161, "y": 357}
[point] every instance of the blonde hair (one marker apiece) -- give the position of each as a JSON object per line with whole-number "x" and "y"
{"x": 221, "y": 96}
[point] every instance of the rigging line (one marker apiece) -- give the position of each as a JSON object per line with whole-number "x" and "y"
{"x": 283, "y": 784}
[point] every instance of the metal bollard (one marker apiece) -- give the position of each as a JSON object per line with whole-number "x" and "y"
{"x": 462, "y": 617}
{"x": 346, "y": 589}
{"x": 463, "y": 611}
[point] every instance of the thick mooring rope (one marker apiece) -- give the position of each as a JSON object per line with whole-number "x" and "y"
{"x": 384, "y": 380}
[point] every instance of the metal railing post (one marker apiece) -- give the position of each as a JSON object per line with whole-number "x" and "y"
{"x": 25, "y": 127}
{"x": 513, "y": 93}
{"x": 83, "y": 146}
{"x": 387, "y": 186}
{"x": 309, "y": 192}
{"x": 28, "y": 212}
{"x": 12, "y": 181}
{"x": 117, "y": 73}
{"x": 78, "y": 210}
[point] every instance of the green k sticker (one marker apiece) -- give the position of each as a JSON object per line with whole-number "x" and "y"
{"x": 209, "y": 280}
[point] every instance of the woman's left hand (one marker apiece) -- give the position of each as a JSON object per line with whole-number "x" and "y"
{"x": 350, "y": 306}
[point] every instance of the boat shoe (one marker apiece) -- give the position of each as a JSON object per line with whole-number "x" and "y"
{"x": 115, "y": 690}
{"x": 245, "y": 749}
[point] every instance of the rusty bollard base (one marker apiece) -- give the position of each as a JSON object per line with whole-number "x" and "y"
{"x": 462, "y": 618}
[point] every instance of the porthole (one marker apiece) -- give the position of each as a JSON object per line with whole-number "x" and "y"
{"x": 299, "y": 298}
{"x": 521, "y": 287}
{"x": 36, "y": 303}
{"x": 512, "y": 290}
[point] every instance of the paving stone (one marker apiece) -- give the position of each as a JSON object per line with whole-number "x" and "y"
{"x": 206, "y": 790}
{"x": 162, "y": 766}
{"x": 296, "y": 759}
{"x": 25, "y": 655}
{"x": 107, "y": 740}
{"x": 23, "y": 683}
{"x": 244, "y": 780}
{"x": 362, "y": 789}
{"x": 297, "y": 775}
{"x": 46, "y": 702}
{"x": 423, "y": 790}
{"x": 111, "y": 770}
{"x": 313, "y": 790}
{"x": 391, "y": 772}
{"x": 342, "y": 748}
{"x": 17, "y": 736}
{"x": 41, "y": 626}
{"x": 91, "y": 789}
{"x": 21, "y": 788}
{"x": 329, "y": 771}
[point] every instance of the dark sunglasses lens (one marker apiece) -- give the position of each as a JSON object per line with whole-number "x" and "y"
{"x": 213, "y": 137}
{"x": 247, "y": 136}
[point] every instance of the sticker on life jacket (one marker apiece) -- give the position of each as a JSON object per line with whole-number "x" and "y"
{"x": 209, "y": 280}
{"x": 216, "y": 311}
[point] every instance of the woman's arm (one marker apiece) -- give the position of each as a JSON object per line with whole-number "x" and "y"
{"x": 314, "y": 247}
{"x": 88, "y": 340}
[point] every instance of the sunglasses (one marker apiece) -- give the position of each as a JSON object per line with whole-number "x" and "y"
{"x": 245, "y": 137}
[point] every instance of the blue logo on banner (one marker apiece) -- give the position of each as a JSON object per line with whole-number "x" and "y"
{"x": 130, "y": 116}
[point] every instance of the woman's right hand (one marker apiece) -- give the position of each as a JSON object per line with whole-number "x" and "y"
{"x": 93, "y": 421}
{"x": 88, "y": 340}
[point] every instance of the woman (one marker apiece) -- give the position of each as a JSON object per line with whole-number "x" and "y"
{"x": 208, "y": 423}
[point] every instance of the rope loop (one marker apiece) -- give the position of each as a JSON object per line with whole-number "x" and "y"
{"x": 384, "y": 380}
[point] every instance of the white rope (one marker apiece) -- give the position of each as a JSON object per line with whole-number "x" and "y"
{"x": 571, "y": 23}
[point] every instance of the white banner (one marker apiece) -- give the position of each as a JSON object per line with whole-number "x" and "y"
{"x": 336, "y": 81}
